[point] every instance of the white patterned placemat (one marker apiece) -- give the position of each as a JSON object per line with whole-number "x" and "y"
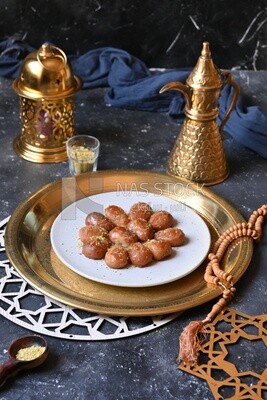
{"x": 27, "y": 307}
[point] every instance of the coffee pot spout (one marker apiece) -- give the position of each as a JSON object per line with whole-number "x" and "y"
{"x": 180, "y": 87}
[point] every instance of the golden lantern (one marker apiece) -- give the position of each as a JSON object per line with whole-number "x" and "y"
{"x": 46, "y": 86}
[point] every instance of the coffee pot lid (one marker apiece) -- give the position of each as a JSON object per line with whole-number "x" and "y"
{"x": 205, "y": 74}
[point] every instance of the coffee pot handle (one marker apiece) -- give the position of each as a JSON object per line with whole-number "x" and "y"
{"x": 230, "y": 81}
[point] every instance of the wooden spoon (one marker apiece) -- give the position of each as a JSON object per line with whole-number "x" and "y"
{"x": 14, "y": 365}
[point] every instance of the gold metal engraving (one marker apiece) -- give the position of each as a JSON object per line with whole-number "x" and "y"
{"x": 198, "y": 152}
{"x": 45, "y": 86}
{"x": 28, "y": 245}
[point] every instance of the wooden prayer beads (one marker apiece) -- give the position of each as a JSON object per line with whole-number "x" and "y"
{"x": 214, "y": 275}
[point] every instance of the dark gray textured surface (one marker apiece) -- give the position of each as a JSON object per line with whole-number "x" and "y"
{"x": 165, "y": 34}
{"x": 141, "y": 367}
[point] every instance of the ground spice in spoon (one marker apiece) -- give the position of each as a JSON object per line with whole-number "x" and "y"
{"x": 30, "y": 353}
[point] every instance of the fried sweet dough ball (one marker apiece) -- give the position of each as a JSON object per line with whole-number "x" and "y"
{"x": 174, "y": 236}
{"x": 139, "y": 254}
{"x": 96, "y": 248}
{"x": 117, "y": 215}
{"x": 161, "y": 220}
{"x": 98, "y": 219}
{"x": 141, "y": 228}
{"x": 140, "y": 210}
{"x": 159, "y": 248}
{"x": 122, "y": 236}
{"x": 90, "y": 231}
{"x": 117, "y": 257}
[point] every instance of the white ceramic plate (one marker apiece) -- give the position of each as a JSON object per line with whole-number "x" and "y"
{"x": 186, "y": 258}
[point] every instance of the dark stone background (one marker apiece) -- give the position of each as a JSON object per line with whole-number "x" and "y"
{"x": 163, "y": 33}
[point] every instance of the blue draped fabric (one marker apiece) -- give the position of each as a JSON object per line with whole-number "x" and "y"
{"x": 130, "y": 84}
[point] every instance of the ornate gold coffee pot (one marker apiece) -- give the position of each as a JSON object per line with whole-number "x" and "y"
{"x": 198, "y": 153}
{"x": 46, "y": 86}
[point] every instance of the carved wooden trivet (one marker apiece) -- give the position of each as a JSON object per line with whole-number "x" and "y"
{"x": 193, "y": 339}
{"x": 231, "y": 384}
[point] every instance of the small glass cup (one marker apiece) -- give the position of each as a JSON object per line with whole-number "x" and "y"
{"x": 83, "y": 151}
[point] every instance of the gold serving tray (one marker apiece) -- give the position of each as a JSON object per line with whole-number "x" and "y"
{"x": 28, "y": 246}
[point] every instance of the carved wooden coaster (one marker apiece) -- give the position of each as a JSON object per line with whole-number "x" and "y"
{"x": 224, "y": 378}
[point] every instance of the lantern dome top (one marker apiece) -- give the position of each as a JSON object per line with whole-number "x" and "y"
{"x": 46, "y": 73}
